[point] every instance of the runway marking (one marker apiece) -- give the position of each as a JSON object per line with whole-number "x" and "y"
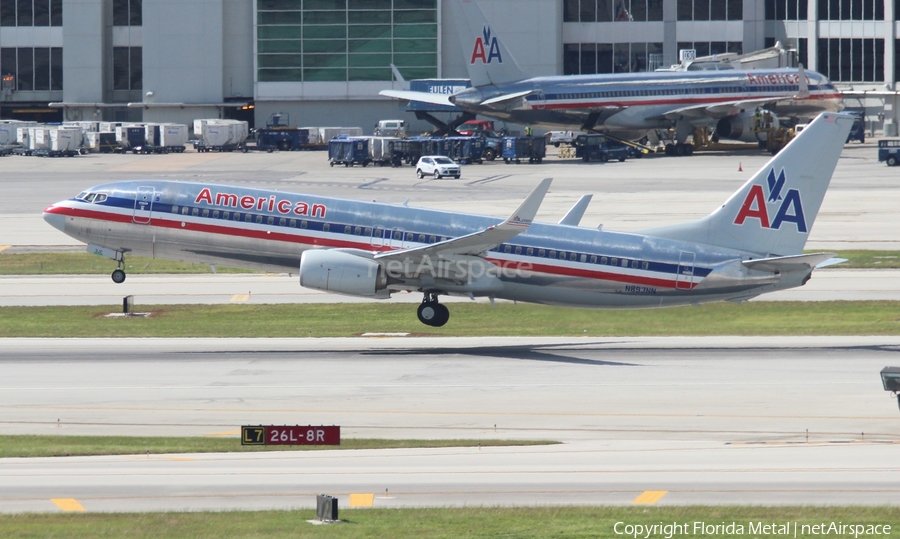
{"x": 649, "y": 497}
{"x": 239, "y": 298}
{"x": 225, "y": 433}
{"x": 362, "y": 500}
{"x": 68, "y": 504}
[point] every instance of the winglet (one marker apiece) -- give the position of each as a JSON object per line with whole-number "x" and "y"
{"x": 803, "y": 91}
{"x": 573, "y": 218}
{"x": 524, "y": 214}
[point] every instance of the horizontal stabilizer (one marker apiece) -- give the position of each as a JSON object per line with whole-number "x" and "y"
{"x": 573, "y": 218}
{"x": 421, "y": 97}
{"x": 789, "y": 263}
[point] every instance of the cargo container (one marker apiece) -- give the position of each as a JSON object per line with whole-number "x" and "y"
{"x": 381, "y": 151}
{"x": 173, "y": 137}
{"x": 328, "y": 133}
{"x": 517, "y": 148}
{"x": 348, "y": 151}
{"x": 108, "y": 127}
{"x": 130, "y": 137}
{"x": 219, "y": 135}
{"x": 65, "y": 141}
{"x": 38, "y": 138}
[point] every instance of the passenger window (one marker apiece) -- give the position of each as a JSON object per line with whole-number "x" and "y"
{"x": 326, "y": 227}
{"x": 410, "y": 236}
{"x": 542, "y": 253}
{"x": 303, "y": 224}
{"x": 259, "y": 219}
{"x": 174, "y": 209}
{"x": 529, "y": 252}
{"x": 583, "y": 258}
{"x": 248, "y": 218}
{"x": 195, "y": 212}
{"x": 634, "y": 264}
{"x": 215, "y": 214}
{"x": 270, "y": 220}
{"x": 506, "y": 248}
{"x": 282, "y": 221}
{"x": 518, "y": 250}
{"x": 293, "y": 223}
{"x": 613, "y": 261}
{"x": 624, "y": 263}
{"x": 421, "y": 238}
{"x": 185, "y": 210}
{"x": 552, "y": 254}
{"x": 226, "y": 215}
{"x": 593, "y": 259}
{"x": 603, "y": 260}
{"x": 357, "y": 231}
{"x": 348, "y": 229}
{"x": 368, "y": 231}
{"x": 645, "y": 265}
{"x": 205, "y": 213}
{"x": 573, "y": 256}
{"x": 432, "y": 239}
{"x": 237, "y": 216}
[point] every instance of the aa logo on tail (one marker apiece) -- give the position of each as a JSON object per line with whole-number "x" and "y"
{"x": 486, "y": 48}
{"x": 756, "y": 205}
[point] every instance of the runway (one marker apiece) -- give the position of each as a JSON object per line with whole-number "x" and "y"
{"x": 707, "y": 420}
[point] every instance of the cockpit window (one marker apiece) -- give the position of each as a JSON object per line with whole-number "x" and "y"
{"x": 81, "y": 195}
{"x": 101, "y": 197}
{"x": 89, "y": 197}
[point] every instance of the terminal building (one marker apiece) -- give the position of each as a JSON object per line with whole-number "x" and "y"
{"x": 323, "y": 62}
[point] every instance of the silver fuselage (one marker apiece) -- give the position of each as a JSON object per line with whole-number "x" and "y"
{"x": 269, "y": 230}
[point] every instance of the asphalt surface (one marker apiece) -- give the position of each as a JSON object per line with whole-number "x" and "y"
{"x": 707, "y": 420}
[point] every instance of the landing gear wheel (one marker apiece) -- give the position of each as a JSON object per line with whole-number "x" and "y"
{"x": 432, "y": 313}
{"x": 118, "y": 276}
{"x": 688, "y": 149}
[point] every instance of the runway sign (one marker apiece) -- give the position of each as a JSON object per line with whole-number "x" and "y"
{"x": 290, "y": 435}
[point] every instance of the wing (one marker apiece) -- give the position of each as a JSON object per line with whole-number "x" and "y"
{"x": 458, "y": 265}
{"x": 422, "y": 97}
{"x": 505, "y": 97}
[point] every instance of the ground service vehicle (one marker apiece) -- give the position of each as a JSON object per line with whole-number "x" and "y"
{"x": 889, "y": 151}
{"x": 599, "y": 148}
{"x": 437, "y": 166}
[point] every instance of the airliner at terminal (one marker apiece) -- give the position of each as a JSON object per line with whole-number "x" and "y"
{"x": 629, "y": 105}
{"x": 750, "y": 245}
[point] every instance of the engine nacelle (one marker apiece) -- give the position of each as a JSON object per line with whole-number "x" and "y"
{"x": 341, "y": 273}
{"x": 741, "y": 126}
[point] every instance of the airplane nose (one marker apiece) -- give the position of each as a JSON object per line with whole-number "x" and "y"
{"x": 56, "y": 220}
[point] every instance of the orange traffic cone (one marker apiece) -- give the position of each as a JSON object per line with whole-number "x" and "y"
{"x": 740, "y": 168}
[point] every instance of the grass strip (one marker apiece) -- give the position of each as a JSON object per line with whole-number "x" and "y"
{"x": 69, "y": 446}
{"x": 563, "y": 522}
{"x": 52, "y": 263}
{"x": 467, "y": 319}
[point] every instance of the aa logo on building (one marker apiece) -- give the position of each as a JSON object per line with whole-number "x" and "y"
{"x": 486, "y": 48}
{"x": 757, "y": 205}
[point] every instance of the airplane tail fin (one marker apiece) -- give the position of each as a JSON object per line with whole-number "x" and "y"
{"x": 487, "y": 58}
{"x": 774, "y": 211}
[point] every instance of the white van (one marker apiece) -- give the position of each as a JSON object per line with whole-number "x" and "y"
{"x": 390, "y": 128}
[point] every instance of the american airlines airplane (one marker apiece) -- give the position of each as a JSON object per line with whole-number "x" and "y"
{"x": 629, "y": 105}
{"x": 752, "y": 244}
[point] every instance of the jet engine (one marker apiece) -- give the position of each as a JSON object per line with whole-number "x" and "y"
{"x": 341, "y": 273}
{"x": 745, "y": 128}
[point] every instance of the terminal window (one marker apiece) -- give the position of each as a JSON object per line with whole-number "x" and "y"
{"x": 855, "y": 60}
{"x": 35, "y": 69}
{"x": 346, "y": 40}
{"x": 31, "y": 12}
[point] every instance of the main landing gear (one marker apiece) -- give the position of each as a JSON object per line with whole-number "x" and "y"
{"x": 118, "y": 274}
{"x": 431, "y": 312}
{"x": 680, "y": 149}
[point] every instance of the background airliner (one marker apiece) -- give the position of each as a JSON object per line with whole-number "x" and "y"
{"x": 752, "y": 244}
{"x": 628, "y": 105}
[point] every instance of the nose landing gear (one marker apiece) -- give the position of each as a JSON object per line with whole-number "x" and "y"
{"x": 432, "y": 313}
{"x": 118, "y": 276}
